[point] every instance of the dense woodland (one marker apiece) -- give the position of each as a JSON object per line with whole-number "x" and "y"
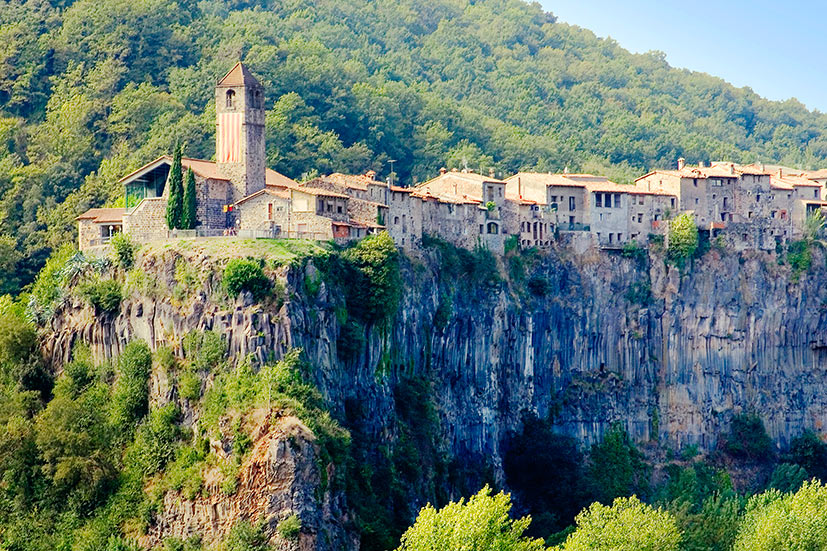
{"x": 90, "y": 90}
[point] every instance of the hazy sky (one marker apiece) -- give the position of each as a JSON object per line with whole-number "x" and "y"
{"x": 779, "y": 49}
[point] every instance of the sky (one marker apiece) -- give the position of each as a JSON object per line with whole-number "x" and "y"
{"x": 779, "y": 49}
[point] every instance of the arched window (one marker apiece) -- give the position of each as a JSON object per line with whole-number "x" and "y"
{"x": 493, "y": 228}
{"x": 257, "y": 99}
{"x": 230, "y": 98}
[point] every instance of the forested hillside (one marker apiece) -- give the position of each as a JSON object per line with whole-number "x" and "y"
{"x": 89, "y": 90}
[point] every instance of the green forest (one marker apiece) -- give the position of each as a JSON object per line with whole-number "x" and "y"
{"x": 90, "y": 90}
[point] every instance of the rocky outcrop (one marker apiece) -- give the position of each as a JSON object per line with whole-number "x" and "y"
{"x": 671, "y": 356}
{"x": 279, "y": 478}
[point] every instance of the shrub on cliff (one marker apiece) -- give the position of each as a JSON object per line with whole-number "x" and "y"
{"x": 628, "y": 525}
{"x": 375, "y": 285}
{"x": 130, "y": 398}
{"x": 242, "y": 274}
{"x": 683, "y": 238}
{"x": 747, "y": 439}
{"x": 123, "y": 250}
{"x": 482, "y": 522}
{"x": 104, "y": 295}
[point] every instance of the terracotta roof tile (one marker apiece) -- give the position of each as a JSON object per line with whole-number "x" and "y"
{"x": 103, "y": 215}
{"x": 239, "y": 75}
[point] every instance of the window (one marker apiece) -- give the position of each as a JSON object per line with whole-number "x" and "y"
{"x": 493, "y": 228}
{"x": 257, "y": 99}
{"x": 617, "y": 200}
{"x": 329, "y": 207}
{"x": 696, "y": 200}
{"x": 672, "y": 202}
{"x": 640, "y": 200}
{"x": 639, "y": 218}
{"x": 571, "y": 219}
{"x": 725, "y": 203}
{"x": 480, "y": 228}
{"x": 571, "y": 203}
{"x": 230, "y": 98}
{"x": 695, "y": 182}
{"x": 339, "y": 209}
{"x": 269, "y": 211}
{"x": 815, "y": 193}
{"x": 757, "y": 197}
{"x": 611, "y": 238}
{"x": 598, "y": 199}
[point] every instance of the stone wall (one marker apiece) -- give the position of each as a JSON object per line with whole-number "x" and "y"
{"x": 147, "y": 221}
{"x": 211, "y": 198}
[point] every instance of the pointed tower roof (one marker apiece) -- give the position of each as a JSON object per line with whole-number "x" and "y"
{"x": 239, "y": 75}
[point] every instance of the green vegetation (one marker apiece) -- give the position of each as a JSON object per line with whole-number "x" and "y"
{"x": 189, "y": 206}
{"x": 494, "y": 84}
{"x": 747, "y": 439}
{"x": 628, "y": 525}
{"x": 123, "y": 250}
{"x": 683, "y": 239}
{"x": 480, "y": 523}
{"x": 616, "y": 467}
{"x": 175, "y": 201}
{"x": 799, "y": 257}
{"x": 374, "y": 285}
{"x": 290, "y": 527}
{"x": 785, "y": 521}
{"x": 246, "y": 275}
{"x": 469, "y": 269}
{"x": 104, "y": 295}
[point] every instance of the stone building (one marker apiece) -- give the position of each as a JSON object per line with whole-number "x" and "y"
{"x": 97, "y": 226}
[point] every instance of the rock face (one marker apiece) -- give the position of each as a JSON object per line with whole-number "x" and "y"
{"x": 280, "y": 478}
{"x": 671, "y": 357}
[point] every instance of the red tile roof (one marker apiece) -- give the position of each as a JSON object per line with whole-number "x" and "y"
{"x": 239, "y": 75}
{"x": 103, "y": 215}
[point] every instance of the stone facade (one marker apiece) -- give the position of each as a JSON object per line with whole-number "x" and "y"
{"x": 147, "y": 222}
{"x": 240, "y": 148}
{"x": 267, "y": 210}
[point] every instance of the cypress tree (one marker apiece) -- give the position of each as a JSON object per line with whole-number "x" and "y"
{"x": 175, "y": 203}
{"x": 188, "y": 214}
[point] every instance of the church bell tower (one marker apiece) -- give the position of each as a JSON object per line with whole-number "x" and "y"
{"x": 239, "y": 147}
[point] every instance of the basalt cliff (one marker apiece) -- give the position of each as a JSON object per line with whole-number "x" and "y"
{"x": 583, "y": 340}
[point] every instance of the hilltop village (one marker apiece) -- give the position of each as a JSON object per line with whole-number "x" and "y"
{"x": 748, "y": 206}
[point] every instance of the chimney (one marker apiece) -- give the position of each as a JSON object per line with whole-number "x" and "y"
{"x": 700, "y": 164}
{"x": 780, "y": 172}
{"x": 371, "y": 175}
{"x": 454, "y": 169}
{"x": 490, "y": 172}
{"x": 442, "y": 171}
{"x": 732, "y": 168}
{"x": 565, "y": 170}
{"x": 681, "y": 163}
{"x": 519, "y": 188}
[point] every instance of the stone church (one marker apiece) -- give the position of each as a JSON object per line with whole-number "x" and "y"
{"x": 239, "y": 171}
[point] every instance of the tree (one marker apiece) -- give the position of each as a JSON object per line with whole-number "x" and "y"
{"x": 628, "y": 525}
{"x": 481, "y": 523}
{"x": 776, "y": 521}
{"x": 175, "y": 202}
{"x": 189, "y": 214}
{"x": 683, "y": 238}
{"x": 545, "y": 469}
{"x": 616, "y": 467}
